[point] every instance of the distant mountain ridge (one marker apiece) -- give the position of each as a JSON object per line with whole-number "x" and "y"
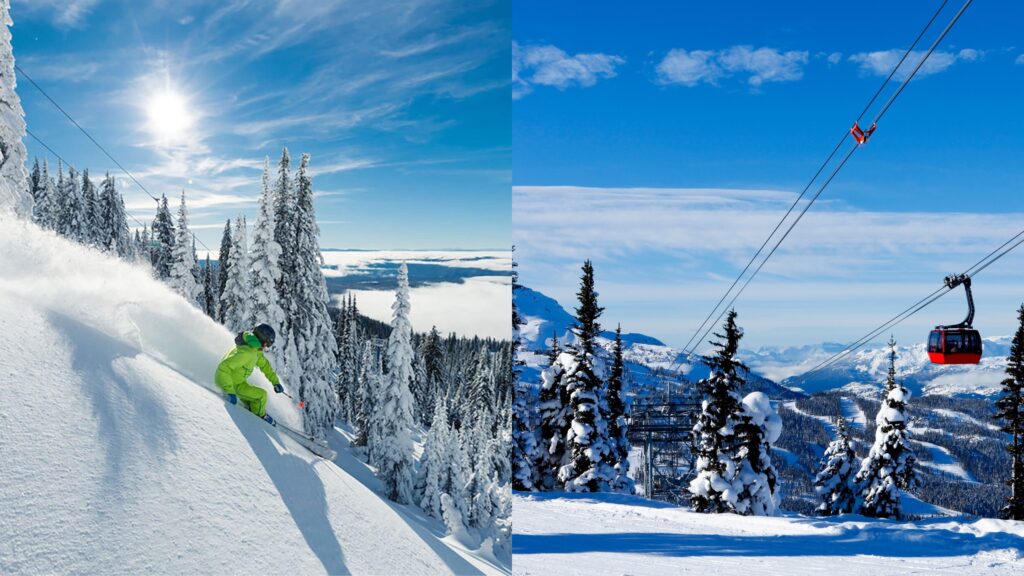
{"x": 778, "y": 367}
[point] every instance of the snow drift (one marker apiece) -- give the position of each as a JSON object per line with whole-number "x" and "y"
{"x": 116, "y": 455}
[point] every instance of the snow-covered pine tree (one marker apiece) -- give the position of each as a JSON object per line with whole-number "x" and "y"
{"x": 163, "y": 235}
{"x": 396, "y": 464}
{"x": 349, "y": 357}
{"x": 889, "y": 466}
{"x": 34, "y": 178}
{"x": 284, "y": 235}
{"x": 112, "y": 221}
{"x": 460, "y": 473}
{"x": 223, "y": 265}
{"x": 314, "y": 363}
{"x": 45, "y": 208}
{"x": 433, "y": 367}
{"x": 366, "y": 392}
{"x": 209, "y": 289}
{"x": 263, "y": 257}
{"x": 434, "y": 464}
{"x": 73, "y": 211}
{"x": 144, "y": 250}
{"x": 756, "y": 481}
{"x": 182, "y": 278}
{"x": 1010, "y": 413}
{"x": 481, "y": 508}
{"x": 14, "y": 191}
{"x": 234, "y": 302}
{"x": 480, "y": 398}
{"x": 527, "y": 456}
{"x": 555, "y": 418}
{"x": 714, "y": 432}
{"x": 834, "y": 481}
{"x": 618, "y": 411}
{"x": 590, "y": 468}
{"x": 92, "y": 230}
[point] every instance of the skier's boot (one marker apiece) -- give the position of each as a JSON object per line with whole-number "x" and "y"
{"x": 269, "y": 419}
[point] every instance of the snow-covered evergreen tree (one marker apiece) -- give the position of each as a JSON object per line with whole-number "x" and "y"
{"x": 527, "y": 455}
{"x": 396, "y": 463}
{"x": 711, "y": 491}
{"x": 1010, "y": 413}
{"x": 555, "y": 417}
{"x": 834, "y": 481}
{"x": 209, "y": 289}
{"x": 14, "y": 189}
{"x": 370, "y": 378}
{"x": 92, "y": 231}
{"x": 617, "y": 402}
{"x": 284, "y": 235}
{"x": 264, "y": 256}
{"x": 433, "y": 474}
{"x": 44, "y": 209}
{"x": 223, "y": 265}
{"x": 72, "y": 212}
{"x": 756, "y": 481}
{"x": 590, "y": 468}
{"x": 234, "y": 302}
{"x": 889, "y": 466}
{"x": 112, "y": 220}
{"x": 480, "y": 396}
{"x": 310, "y": 334}
{"x": 163, "y": 236}
{"x": 182, "y": 275}
{"x": 349, "y": 338}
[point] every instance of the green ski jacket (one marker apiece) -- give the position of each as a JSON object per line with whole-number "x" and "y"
{"x": 238, "y": 364}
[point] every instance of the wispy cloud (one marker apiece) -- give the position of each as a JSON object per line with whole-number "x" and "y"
{"x": 664, "y": 257}
{"x": 757, "y": 65}
{"x": 881, "y": 62}
{"x": 61, "y": 13}
{"x": 551, "y": 66}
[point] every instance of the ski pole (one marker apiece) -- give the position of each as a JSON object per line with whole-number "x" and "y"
{"x": 300, "y": 404}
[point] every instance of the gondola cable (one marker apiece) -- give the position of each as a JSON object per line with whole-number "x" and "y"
{"x": 878, "y": 117}
{"x": 821, "y": 168}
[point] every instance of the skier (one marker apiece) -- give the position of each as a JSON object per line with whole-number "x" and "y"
{"x": 239, "y": 363}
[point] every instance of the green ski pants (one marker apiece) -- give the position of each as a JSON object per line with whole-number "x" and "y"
{"x": 253, "y": 397}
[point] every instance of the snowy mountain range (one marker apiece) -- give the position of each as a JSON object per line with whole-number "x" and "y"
{"x": 859, "y": 373}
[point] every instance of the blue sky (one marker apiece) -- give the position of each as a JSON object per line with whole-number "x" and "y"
{"x": 404, "y": 107}
{"x": 664, "y": 140}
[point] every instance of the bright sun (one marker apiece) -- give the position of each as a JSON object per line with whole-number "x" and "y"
{"x": 169, "y": 116}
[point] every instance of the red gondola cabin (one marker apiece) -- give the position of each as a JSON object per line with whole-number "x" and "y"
{"x": 954, "y": 346}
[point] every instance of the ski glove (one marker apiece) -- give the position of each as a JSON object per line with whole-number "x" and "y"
{"x": 232, "y": 398}
{"x": 278, "y": 388}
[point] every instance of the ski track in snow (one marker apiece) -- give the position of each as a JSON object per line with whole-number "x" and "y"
{"x": 965, "y": 417}
{"x": 854, "y": 416}
{"x": 944, "y": 462}
{"x": 612, "y": 534}
{"x": 115, "y": 459}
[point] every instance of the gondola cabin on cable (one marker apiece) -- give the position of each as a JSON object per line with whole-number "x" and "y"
{"x": 956, "y": 343}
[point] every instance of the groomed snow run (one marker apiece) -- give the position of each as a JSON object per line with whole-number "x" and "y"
{"x": 611, "y": 534}
{"x": 117, "y": 457}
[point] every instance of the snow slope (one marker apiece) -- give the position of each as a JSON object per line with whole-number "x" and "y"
{"x": 116, "y": 457}
{"x": 614, "y": 534}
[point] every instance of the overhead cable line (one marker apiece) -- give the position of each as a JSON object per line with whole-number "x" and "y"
{"x": 98, "y": 145}
{"x": 688, "y": 350}
{"x": 69, "y": 164}
{"x": 821, "y": 168}
{"x": 974, "y": 270}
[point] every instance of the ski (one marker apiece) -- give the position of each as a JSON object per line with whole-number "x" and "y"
{"x": 308, "y": 442}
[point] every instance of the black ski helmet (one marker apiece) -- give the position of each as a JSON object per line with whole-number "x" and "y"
{"x": 266, "y": 334}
